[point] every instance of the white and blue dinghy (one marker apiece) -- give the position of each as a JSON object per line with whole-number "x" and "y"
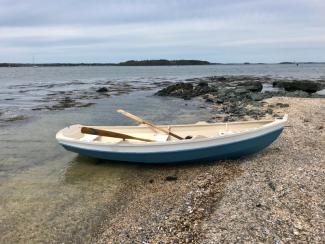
{"x": 149, "y": 143}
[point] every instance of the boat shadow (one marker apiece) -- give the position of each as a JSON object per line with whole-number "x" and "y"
{"x": 84, "y": 160}
{"x": 83, "y": 168}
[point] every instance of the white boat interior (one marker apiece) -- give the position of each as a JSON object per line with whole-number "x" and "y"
{"x": 199, "y": 130}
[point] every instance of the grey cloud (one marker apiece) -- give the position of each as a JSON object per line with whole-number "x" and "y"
{"x": 73, "y": 12}
{"x": 217, "y": 30}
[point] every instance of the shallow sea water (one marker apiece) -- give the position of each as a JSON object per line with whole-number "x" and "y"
{"x": 48, "y": 193}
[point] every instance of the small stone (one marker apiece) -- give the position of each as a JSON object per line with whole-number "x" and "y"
{"x": 171, "y": 178}
{"x": 209, "y": 98}
{"x": 256, "y": 96}
{"x": 203, "y": 83}
{"x": 271, "y": 185}
{"x": 282, "y": 105}
{"x": 102, "y": 89}
{"x": 220, "y": 100}
{"x": 298, "y": 225}
{"x": 221, "y": 78}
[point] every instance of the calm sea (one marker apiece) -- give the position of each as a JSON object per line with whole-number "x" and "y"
{"x": 24, "y": 89}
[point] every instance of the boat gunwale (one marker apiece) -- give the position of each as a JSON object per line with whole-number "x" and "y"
{"x": 273, "y": 123}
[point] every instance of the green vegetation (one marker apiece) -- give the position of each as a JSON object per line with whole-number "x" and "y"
{"x": 163, "y": 62}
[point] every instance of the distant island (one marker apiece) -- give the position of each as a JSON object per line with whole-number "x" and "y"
{"x": 163, "y": 62}
{"x": 150, "y": 62}
{"x": 157, "y": 62}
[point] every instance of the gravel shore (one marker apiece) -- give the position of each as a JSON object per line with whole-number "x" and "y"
{"x": 274, "y": 196}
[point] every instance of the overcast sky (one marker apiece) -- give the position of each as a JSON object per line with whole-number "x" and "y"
{"x": 117, "y": 30}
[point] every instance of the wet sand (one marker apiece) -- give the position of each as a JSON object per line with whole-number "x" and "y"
{"x": 274, "y": 196}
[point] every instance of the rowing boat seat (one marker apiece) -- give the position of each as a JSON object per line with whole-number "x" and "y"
{"x": 88, "y": 138}
{"x": 161, "y": 137}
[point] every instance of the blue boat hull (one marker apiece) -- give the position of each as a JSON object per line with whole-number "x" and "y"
{"x": 218, "y": 152}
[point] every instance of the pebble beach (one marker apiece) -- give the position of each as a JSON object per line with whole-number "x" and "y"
{"x": 273, "y": 197}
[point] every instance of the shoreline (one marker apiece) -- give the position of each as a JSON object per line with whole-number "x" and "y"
{"x": 186, "y": 203}
{"x": 260, "y": 198}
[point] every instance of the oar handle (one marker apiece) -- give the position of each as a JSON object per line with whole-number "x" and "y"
{"x": 131, "y": 116}
{"x": 140, "y": 120}
{"x": 99, "y": 132}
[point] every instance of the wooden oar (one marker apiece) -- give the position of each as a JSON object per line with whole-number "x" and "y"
{"x": 99, "y": 132}
{"x": 140, "y": 120}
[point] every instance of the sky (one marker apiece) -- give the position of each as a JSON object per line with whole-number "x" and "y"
{"x": 117, "y": 30}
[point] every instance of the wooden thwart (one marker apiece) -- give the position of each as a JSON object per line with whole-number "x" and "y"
{"x": 99, "y": 132}
{"x": 140, "y": 120}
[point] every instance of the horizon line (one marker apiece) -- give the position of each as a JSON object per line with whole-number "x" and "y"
{"x": 169, "y": 60}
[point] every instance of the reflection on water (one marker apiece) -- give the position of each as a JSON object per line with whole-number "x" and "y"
{"x": 83, "y": 169}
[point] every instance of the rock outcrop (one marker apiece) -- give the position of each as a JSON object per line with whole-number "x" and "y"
{"x": 300, "y": 85}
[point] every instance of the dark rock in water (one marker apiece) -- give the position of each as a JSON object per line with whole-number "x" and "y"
{"x": 221, "y": 78}
{"x": 67, "y": 102}
{"x": 223, "y": 90}
{"x": 102, "y": 89}
{"x": 203, "y": 83}
{"x": 254, "y": 86}
{"x": 84, "y": 105}
{"x": 201, "y": 89}
{"x": 187, "y": 97}
{"x": 171, "y": 178}
{"x": 300, "y": 85}
{"x": 234, "y": 97}
{"x": 15, "y": 118}
{"x": 220, "y": 100}
{"x": 186, "y": 90}
{"x": 179, "y": 89}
